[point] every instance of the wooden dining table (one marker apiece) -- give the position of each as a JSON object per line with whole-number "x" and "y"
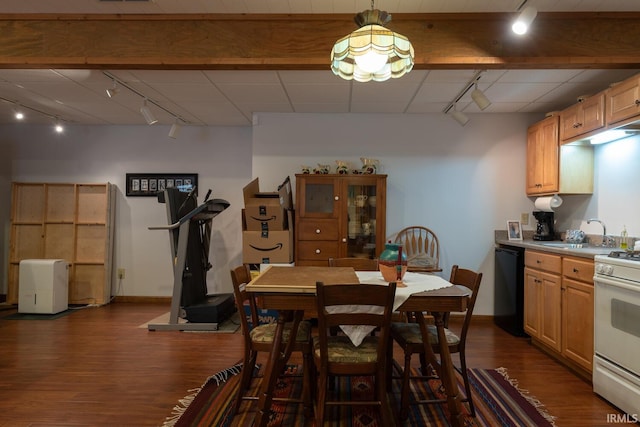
{"x": 292, "y": 289}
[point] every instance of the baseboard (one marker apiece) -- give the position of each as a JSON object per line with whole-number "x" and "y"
{"x": 142, "y": 300}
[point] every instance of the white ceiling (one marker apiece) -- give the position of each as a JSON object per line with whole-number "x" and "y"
{"x": 231, "y": 97}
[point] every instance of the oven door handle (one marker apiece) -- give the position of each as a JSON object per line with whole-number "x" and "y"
{"x": 616, "y": 283}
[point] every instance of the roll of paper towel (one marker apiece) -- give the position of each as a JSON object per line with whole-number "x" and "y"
{"x": 548, "y": 204}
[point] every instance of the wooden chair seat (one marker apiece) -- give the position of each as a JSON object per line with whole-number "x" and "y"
{"x": 340, "y": 349}
{"x": 265, "y": 333}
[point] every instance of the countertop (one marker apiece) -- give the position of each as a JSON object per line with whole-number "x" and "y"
{"x": 584, "y": 252}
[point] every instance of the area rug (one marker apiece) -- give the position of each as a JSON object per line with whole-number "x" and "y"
{"x": 497, "y": 398}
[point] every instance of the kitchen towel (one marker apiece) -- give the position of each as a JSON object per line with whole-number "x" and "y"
{"x": 548, "y": 204}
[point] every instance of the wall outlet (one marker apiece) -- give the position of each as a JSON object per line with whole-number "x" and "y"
{"x": 524, "y": 218}
{"x": 121, "y": 273}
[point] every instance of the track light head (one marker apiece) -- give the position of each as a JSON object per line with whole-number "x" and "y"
{"x": 175, "y": 129}
{"x": 113, "y": 90}
{"x": 147, "y": 114}
{"x": 459, "y": 116}
{"x": 18, "y": 114}
{"x": 480, "y": 98}
{"x": 57, "y": 126}
{"x": 525, "y": 19}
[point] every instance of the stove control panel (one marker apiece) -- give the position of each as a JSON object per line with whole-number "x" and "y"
{"x": 604, "y": 269}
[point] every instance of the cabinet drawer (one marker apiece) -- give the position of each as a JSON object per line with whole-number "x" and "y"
{"x": 318, "y": 229}
{"x": 317, "y": 250}
{"x": 542, "y": 261}
{"x": 578, "y": 269}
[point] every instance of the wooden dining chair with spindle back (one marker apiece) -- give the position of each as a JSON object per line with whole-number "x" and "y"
{"x": 421, "y": 247}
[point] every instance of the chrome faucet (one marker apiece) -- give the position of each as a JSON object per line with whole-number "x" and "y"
{"x": 607, "y": 241}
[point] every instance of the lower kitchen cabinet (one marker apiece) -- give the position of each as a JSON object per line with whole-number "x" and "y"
{"x": 558, "y": 307}
{"x": 577, "y": 311}
{"x": 542, "y": 298}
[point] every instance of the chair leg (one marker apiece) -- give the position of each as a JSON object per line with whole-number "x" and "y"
{"x": 307, "y": 378}
{"x": 404, "y": 394}
{"x": 322, "y": 396}
{"x": 467, "y": 388}
{"x": 248, "y": 366}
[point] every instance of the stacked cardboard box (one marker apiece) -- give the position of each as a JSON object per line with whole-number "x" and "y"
{"x": 267, "y": 224}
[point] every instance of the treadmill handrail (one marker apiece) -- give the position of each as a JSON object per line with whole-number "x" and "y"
{"x": 191, "y": 214}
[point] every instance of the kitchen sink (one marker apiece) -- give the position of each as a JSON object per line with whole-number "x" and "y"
{"x": 566, "y": 245}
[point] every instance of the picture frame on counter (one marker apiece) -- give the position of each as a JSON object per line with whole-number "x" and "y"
{"x": 149, "y": 184}
{"x": 514, "y": 230}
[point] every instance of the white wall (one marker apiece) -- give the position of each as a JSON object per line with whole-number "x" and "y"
{"x": 84, "y": 154}
{"x": 464, "y": 182}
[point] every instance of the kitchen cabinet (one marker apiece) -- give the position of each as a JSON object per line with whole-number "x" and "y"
{"x": 542, "y": 157}
{"x": 73, "y": 222}
{"x": 583, "y": 117}
{"x": 339, "y": 216}
{"x": 553, "y": 168}
{"x": 623, "y": 101}
{"x": 577, "y": 311}
{"x": 542, "y": 298}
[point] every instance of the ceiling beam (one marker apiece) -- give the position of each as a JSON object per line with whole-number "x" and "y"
{"x": 258, "y": 42}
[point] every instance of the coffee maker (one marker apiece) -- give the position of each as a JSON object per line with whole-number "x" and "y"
{"x": 544, "y": 229}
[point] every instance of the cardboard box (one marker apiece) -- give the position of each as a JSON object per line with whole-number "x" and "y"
{"x": 267, "y": 247}
{"x": 264, "y": 315}
{"x": 267, "y": 210}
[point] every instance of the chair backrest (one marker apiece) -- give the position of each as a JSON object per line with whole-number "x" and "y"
{"x": 355, "y": 295}
{"x": 358, "y": 264}
{"x": 421, "y": 247}
{"x": 240, "y": 276}
{"x": 469, "y": 279}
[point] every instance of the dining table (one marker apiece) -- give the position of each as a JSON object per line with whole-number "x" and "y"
{"x": 291, "y": 290}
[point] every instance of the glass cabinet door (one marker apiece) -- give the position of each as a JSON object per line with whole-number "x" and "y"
{"x": 361, "y": 219}
{"x": 320, "y": 199}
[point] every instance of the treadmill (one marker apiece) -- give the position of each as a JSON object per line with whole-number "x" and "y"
{"x": 190, "y": 235}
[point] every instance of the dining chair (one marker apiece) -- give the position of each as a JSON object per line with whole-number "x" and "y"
{"x": 259, "y": 337}
{"x": 358, "y": 264}
{"x": 336, "y": 356}
{"x": 409, "y": 337}
{"x": 421, "y": 246}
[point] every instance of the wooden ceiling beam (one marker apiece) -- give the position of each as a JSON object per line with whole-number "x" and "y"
{"x": 259, "y": 42}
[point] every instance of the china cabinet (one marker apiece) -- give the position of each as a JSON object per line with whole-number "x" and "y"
{"x": 73, "y": 222}
{"x": 339, "y": 216}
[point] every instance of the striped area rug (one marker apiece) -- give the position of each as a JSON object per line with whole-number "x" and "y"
{"x": 497, "y": 398}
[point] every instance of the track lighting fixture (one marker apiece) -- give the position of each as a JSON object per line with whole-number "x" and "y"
{"x": 525, "y": 19}
{"x": 175, "y": 129}
{"x": 480, "y": 98}
{"x": 113, "y": 90}
{"x": 147, "y": 114}
{"x": 18, "y": 114}
{"x": 58, "y": 126}
{"x": 459, "y": 116}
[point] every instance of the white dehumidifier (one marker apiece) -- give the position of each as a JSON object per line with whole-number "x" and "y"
{"x": 43, "y": 286}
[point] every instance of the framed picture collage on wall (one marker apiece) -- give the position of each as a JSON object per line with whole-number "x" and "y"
{"x": 150, "y": 184}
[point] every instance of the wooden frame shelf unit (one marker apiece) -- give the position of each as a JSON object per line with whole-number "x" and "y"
{"x": 74, "y": 222}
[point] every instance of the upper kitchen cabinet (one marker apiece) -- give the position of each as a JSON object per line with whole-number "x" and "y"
{"x": 553, "y": 168}
{"x": 584, "y": 117}
{"x": 623, "y": 101}
{"x": 542, "y": 157}
{"x": 339, "y": 216}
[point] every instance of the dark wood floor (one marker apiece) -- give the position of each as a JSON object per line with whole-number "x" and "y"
{"x": 97, "y": 367}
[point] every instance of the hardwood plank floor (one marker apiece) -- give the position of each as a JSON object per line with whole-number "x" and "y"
{"x": 97, "y": 367}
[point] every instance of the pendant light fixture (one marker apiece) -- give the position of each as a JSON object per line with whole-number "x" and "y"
{"x": 372, "y": 52}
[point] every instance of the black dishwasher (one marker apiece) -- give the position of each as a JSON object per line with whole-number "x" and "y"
{"x": 508, "y": 310}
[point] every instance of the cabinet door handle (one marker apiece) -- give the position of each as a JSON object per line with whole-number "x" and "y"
{"x": 637, "y": 102}
{"x": 336, "y": 198}
{"x": 317, "y": 231}
{"x": 575, "y": 270}
{"x": 538, "y": 261}
{"x": 344, "y": 240}
{"x": 317, "y": 251}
